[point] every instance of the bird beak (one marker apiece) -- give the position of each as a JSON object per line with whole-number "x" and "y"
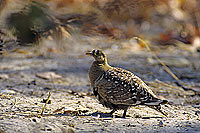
{"x": 89, "y": 53}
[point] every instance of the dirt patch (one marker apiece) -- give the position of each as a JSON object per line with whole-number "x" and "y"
{"x": 74, "y": 108}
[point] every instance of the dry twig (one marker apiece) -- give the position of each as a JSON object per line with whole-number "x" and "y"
{"x": 49, "y": 96}
{"x": 179, "y": 82}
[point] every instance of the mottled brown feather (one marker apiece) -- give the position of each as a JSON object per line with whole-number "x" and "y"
{"x": 117, "y": 88}
{"x": 120, "y": 86}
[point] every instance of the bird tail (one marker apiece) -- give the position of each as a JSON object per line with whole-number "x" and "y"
{"x": 155, "y": 102}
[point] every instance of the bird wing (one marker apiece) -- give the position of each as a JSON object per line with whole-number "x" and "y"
{"x": 120, "y": 86}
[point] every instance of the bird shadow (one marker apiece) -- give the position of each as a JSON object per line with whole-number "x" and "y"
{"x": 105, "y": 115}
{"x": 102, "y": 115}
{"x": 108, "y": 115}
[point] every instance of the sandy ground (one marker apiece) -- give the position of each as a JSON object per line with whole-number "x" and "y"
{"x": 73, "y": 108}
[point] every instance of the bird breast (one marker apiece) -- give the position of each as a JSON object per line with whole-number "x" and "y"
{"x": 94, "y": 73}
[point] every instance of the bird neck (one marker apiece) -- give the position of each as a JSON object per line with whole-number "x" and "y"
{"x": 97, "y": 69}
{"x": 102, "y": 65}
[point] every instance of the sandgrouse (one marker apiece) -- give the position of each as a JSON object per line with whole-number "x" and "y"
{"x": 117, "y": 88}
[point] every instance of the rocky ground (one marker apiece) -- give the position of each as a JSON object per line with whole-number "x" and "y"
{"x": 26, "y": 78}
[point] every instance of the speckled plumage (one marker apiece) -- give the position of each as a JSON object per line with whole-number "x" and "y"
{"x": 117, "y": 88}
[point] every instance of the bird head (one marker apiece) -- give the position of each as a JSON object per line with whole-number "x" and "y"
{"x": 98, "y": 55}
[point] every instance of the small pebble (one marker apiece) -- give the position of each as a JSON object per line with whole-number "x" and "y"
{"x": 4, "y": 76}
{"x": 6, "y": 91}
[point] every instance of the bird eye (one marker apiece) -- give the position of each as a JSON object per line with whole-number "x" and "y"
{"x": 97, "y": 52}
{"x": 93, "y": 51}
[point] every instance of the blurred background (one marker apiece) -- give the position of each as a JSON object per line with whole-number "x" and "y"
{"x": 53, "y": 36}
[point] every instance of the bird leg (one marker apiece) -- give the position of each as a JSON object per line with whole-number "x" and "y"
{"x": 158, "y": 108}
{"x": 124, "y": 114}
{"x": 111, "y": 113}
